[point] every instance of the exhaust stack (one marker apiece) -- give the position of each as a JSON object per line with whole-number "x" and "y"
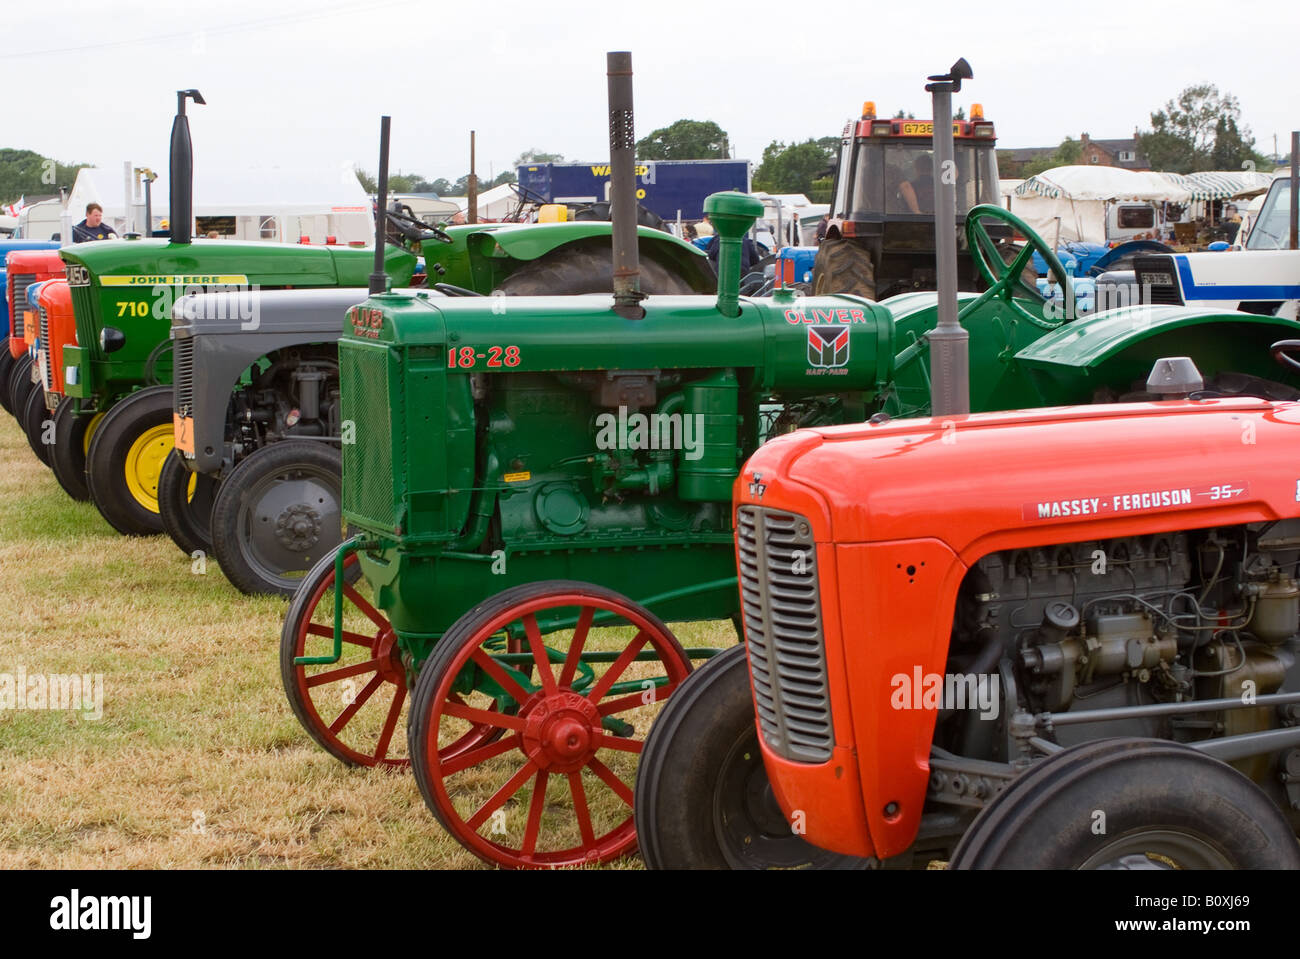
{"x": 622, "y": 177}
{"x": 378, "y": 277}
{"x": 181, "y": 171}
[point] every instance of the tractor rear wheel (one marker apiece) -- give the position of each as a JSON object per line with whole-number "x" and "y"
{"x": 564, "y": 673}
{"x": 585, "y": 268}
{"x": 19, "y": 385}
{"x": 185, "y": 501}
{"x": 843, "y": 266}
{"x": 125, "y": 458}
{"x": 1129, "y": 804}
{"x": 6, "y": 367}
{"x": 277, "y": 514}
{"x": 352, "y": 707}
{"x": 34, "y": 417}
{"x": 703, "y": 800}
{"x": 73, "y": 433}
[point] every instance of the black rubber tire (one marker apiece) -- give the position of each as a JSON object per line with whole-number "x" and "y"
{"x": 1045, "y": 819}
{"x": 704, "y": 731}
{"x": 186, "y": 519}
{"x": 247, "y": 568}
{"x": 20, "y": 383}
{"x": 6, "y": 367}
{"x": 106, "y": 462}
{"x": 843, "y": 266}
{"x": 585, "y": 267}
{"x": 33, "y": 420}
{"x": 68, "y": 457}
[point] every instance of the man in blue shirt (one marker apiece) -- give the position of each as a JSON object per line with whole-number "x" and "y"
{"x": 93, "y": 226}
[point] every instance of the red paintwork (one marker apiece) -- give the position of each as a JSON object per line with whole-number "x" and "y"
{"x": 937, "y": 495}
{"x": 56, "y": 299}
{"x": 47, "y": 265}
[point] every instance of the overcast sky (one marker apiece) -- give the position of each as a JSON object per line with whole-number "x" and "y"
{"x": 297, "y": 81}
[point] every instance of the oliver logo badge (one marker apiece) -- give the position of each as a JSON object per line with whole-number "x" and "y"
{"x": 828, "y": 346}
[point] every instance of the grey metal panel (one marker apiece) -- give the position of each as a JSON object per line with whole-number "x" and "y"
{"x": 783, "y": 632}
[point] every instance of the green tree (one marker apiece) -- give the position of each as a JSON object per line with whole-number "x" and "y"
{"x": 792, "y": 168}
{"x": 366, "y": 180}
{"x": 1200, "y": 129}
{"x": 1067, "y": 152}
{"x": 26, "y": 173}
{"x": 685, "y": 140}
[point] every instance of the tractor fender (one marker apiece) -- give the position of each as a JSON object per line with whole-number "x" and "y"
{"x": 1115, "y": 349}
{"x": 495, "y": 254}
{"x": 228, "y": 333}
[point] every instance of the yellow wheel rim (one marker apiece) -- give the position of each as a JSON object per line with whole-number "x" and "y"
{"x": 89, "y": 433}
{"x": 144, "y": 461}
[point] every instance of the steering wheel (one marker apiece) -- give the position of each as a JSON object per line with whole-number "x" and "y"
{"x": 1282, "y": 351}
{"x": 415, "y": 229}
{"x": 1001, "y": 276}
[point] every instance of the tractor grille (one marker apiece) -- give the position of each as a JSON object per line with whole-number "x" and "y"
{"x": 183, "y": 374}
{"x": 18, "y": 302}
{"x": 46, "y": 366}
{"x": 1156, "y": 280}
{"x": 84, "y": 308}
{"x": 783, "y": 631}
{"x": 370, "y": 493}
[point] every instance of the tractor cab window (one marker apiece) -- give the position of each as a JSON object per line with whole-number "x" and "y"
{"x": 1272, "y": 229}
{"x": 897, "y": 177}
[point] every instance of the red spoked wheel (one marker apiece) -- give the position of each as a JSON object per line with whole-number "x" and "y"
{"x": 352, "y": 707}
{"x": 572, "y": 676}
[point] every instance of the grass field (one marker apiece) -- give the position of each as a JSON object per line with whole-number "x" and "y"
{"x": 197, "y": 760}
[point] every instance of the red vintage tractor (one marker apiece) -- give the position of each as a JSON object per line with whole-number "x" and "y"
{"x": 1063, "y": 638}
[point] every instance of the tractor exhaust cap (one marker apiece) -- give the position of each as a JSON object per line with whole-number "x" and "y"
{"x": 622, "y": 187}
{"x": 181, "y": 171}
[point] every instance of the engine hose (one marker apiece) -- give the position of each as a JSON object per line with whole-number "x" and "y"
{"x": 154, "y": 356}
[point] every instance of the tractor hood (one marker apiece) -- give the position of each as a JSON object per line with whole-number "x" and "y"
{"x": 313, "y": 313}
{"x": 233, "y": 263}
{"x": 1078, "y": 472}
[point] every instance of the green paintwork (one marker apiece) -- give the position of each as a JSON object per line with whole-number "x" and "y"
{"x": 141, "y": 309}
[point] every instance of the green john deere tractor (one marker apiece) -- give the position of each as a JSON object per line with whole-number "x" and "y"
{"x": 537, "y": 492}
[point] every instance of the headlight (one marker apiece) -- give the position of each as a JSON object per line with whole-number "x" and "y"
{"x": 111, "y": 339}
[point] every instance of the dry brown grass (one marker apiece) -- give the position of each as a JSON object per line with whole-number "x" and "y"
{"x": 197, "y": 761}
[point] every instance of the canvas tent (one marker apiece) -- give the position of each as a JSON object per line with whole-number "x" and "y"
{"x": 1077, "y": 197}
{"x": 266, "y": 203}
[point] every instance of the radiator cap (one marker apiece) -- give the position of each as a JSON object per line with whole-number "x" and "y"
{"x": 1174, "y": 377}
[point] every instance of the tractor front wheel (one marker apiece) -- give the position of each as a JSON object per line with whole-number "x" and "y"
{"x": 277, "y": 514}
{"x": 19, "y": 385}
{"x": 73, "y": 433}
{"x": 185, "y": 501}
{"x": 351, "y": 707}
{"x": 843, "y": 266}
{"x": 566, "y": 674}
{"x": 126, "y": 457}
{"x": 703, "y": 799}
{"x": 1129, "y": 804}
{"x": 35, "y": 418}
{"x": 6, "y": 367}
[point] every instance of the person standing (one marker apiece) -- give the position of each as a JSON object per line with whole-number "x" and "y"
{"x": 93, "y": 226}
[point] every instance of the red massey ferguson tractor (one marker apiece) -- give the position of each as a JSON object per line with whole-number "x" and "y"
{"x": 1063, "y": 638}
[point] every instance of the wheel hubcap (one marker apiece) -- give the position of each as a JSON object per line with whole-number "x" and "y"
{"x": 144, "y": 461}
{"x": 561, "y": 732}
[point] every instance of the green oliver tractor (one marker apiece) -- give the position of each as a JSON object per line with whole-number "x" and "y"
{"x": 539, "y": 490}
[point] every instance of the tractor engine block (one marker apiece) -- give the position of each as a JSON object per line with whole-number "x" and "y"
{"x": 1167, "y": 617}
